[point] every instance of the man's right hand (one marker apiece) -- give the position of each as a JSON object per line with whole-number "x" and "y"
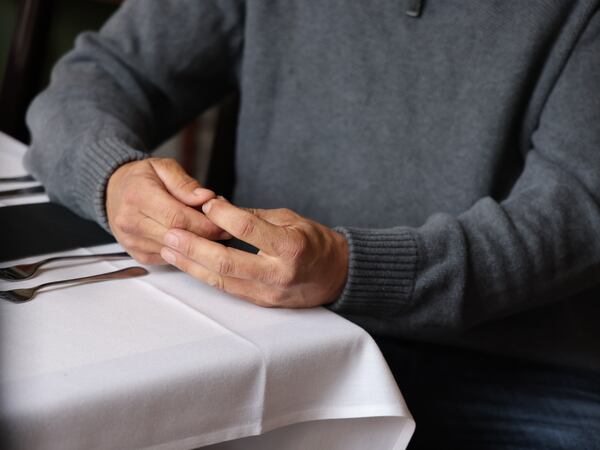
{"x": 144, "y": 199}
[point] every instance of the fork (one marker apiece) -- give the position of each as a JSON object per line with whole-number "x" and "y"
{"x": 26, "y": 294}
{"x": 22, "y": 191}
{"x": 17, "y": 179}
{"x": 24, "y": 271}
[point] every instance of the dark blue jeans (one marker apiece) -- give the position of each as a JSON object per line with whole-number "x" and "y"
{"x": 467, "y": 400}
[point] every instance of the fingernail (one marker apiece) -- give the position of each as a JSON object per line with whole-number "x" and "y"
{"x": 171, "y": 240}
{"x": 200, "y": 192}
{"x": 168, "y": 255}
{"x": 207, "y": 206}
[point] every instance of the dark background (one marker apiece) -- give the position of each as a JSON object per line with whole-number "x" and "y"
{"x": 55, "y": 33}
{"x": 68, "y": 18}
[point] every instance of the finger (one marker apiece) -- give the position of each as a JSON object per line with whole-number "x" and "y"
{"x": 151, "y": 229}
{"x": 280, "y": 216}
{"x": 138, "y": 244}
{"x": 224, "y": 260}
{"x": 179, "y": 184}
{"x": 246, "y": 226}
{"x": 170, "y": 213}
{"x": 141, "y": 226}
{"x": 254, "y": 292}
{"x": 147, "y": 258}
{"x": 249, "y": 290}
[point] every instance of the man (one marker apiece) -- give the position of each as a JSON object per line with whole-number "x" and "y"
{"x": 453, "y": 145}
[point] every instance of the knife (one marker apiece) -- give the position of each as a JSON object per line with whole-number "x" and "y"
{"x": 22, "y": 191}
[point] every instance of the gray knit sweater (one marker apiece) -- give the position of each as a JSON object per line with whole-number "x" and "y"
{"x": 459, "y": 151}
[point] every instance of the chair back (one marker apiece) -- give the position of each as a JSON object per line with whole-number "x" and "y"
{"x": 23, "y": 71}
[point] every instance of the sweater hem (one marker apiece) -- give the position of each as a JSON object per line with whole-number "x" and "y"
{"x": 381, "y": 272}
{"x": 104, "y": 157}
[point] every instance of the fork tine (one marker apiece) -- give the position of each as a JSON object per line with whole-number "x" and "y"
{"x": 13, "y": 297}
{"x": 6, "y": 275}
{"x": 25, "y": 271}
{"x": 21, "y": 178}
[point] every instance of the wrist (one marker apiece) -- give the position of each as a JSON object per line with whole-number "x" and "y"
{"x": 113, "y": 188}
{"x": 342, "y": 258}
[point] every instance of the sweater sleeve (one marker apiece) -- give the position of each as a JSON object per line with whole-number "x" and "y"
{"x": 538, "y": 245}
{"x": 154, "y": 66}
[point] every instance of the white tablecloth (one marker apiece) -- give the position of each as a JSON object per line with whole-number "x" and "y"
{"x": 166, "y": 362}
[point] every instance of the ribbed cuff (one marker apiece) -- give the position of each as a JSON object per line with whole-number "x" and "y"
{"x": 381, "y": 272}
{"x": 102, "y": 159}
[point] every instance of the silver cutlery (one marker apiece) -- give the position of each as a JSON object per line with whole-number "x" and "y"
{"x": 20, "y": 179}
{"x": 24, "y": 271}
{"x": 26, "y": 294}
{"x": 22, "y": 191}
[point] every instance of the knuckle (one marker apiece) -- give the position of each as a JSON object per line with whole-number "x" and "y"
{"x": 121, "y": 222}
{"x": 130, "y": 196}
{"x": 295, "y": 246}
{"x": 286, "y": 212}
{"x": 131, "y": 226}
{"x": 262, "y": 303}
{"x": 284, "y": 216}
{"x": 135, "y": 255}
{"x": 163, "y": 163}
{"x": 177, "y": 219}
{"x": 138, "y": 256}
{"x": 246, "y": 228}
{"x": 224, "y": 265}
{"x": 187, "y": 248}
{"x": 128, "y": 242}
{"x": 284, "y": 278}
{"x": 215, "y": 281}
{"x": 211, "y": 231}
{"x": 182, "y": 264}
{"x": 273, "y": 299}
{"x": 145, "y": 258}
{"x": 187, "y": 184}
{"x": 203, "y": 227}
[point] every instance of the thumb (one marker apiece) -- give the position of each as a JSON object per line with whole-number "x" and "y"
{"x": 179, "y": 184}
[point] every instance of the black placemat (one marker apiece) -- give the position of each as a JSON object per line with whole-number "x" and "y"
{"x": 28, "y": 230}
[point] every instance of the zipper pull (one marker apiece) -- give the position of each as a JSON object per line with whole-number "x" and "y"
{"x": 414, "y": 7}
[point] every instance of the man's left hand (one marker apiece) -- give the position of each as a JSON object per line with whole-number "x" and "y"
{"x": 300, "y": 263}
